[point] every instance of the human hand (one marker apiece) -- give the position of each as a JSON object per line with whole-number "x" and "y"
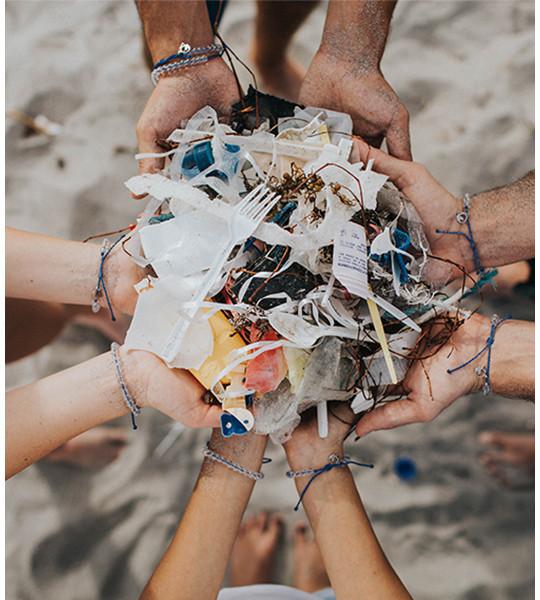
{"x": 429, "y": 387}
{"x": 177, "y": 97}
{"x": 174, "y": 392}
{"x": 363, "y": 93}
{"x": 306, "y": 449}
{"x": 121, "y": 274}
{"x": 436, "y": 206}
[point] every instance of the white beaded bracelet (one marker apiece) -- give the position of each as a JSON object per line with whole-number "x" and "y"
{"x": 211, "y": 455}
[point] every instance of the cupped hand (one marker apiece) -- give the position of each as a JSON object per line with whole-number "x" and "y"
{"x": 429, "y": 387}
{"x": 178, "y": 97}
{"x": 305, "y": 449}
{"x": 364, "y": 94}
{"x": 174, "y": 392}
{"x": 435, "y": 205}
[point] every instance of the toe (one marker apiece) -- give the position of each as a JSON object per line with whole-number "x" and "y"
{"x": 300, "y": 532}
{"x": 275, "y": 525}
{"x": 261, "y": 521}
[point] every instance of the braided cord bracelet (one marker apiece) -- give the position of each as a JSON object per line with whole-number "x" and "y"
{"x": 464, "y": 218}
{"x": 485, "y": 372}
{"x": 128, "y": 398}
{"x": 101, "y": 288}
{"x": 334, "y": 462}
{"x": 214, "y": 456}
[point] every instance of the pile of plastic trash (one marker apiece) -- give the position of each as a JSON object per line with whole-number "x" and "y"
{"x": 282, "y": 274}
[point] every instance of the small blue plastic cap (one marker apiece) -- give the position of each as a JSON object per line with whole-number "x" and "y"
{"x": 405, "y": 468}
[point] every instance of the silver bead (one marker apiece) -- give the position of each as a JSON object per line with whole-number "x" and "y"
{"x": 462, "y": 217}
{"x": 184, "y": 48}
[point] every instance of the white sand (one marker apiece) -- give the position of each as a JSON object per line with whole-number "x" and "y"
{"x": 465, "y": 70}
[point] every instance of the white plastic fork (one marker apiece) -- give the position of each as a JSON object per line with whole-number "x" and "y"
{"x": 246, "y": 216}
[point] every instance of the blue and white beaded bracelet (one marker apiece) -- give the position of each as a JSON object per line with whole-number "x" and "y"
{"x": 184, "y": 59}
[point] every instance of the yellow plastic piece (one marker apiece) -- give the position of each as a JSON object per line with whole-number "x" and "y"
{"x": 379, "y": 330}
{"x": 226, "y": 339}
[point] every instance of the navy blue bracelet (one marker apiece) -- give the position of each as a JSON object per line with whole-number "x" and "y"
{"x": 335, "y": 462}
{"x": 101, "y": 288}
{"x": 496, "y": 322}
{"x": 462, "y": 218}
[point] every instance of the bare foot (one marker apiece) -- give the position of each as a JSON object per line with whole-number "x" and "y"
{"x": 280, "y": 77}
{"x": 507, "y": 450}
{"x": 254, "y": 552}
{"x": 309, "y": 572}
{"x": 92, "y": 449}
{"x": 112, "y": 330}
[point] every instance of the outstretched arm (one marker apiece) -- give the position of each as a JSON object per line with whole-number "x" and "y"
{"x": 40, "y": 267}
{"x": 430, "y": 388}
{"x": 502, "y": 220}
{"x": 41, "y": 416}
{"x": 167, "y": 24}
{"x": 195, "y": 562}
{"x": 345, "y": 74}
{"x": 354, "y": 560}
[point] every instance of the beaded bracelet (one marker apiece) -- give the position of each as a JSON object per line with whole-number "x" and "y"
{"x": 211, "y": 455}
{"x": 186, "y": 51}
{"x": 334, "y": 462}
{"x": 128, "y": 399}
{"x": 190, "y": 61}
{"x": 484, "y": 372}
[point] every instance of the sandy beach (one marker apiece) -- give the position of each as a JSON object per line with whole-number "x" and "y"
{"x": 465, "y": 70}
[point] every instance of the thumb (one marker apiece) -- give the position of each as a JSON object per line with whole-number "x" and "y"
{"x": 397, "y": 170}
{"x": 146, "y": 140}
{"x": 397, "y": 136}
{"x": 388, "y": 416}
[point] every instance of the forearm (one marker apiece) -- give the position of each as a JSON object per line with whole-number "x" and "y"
{"x": 39, "y": 267}
{"x": 194, "y": 565}
{"x": 512, "y": 366}
{"x": 354, "y": 560}
{"x": 43, "y": 415}
{"x": 502, "y": 223}
{"x": 356, "y": 31}
{"x": 168, "y": 23}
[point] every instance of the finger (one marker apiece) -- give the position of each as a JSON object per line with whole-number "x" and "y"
{"x": 397, "y": 136}
{"x": 396, "y": 169}
{"x": 391, "y": 415}
{"x": 211, "y": 418}
{"x": 147, "y": 142}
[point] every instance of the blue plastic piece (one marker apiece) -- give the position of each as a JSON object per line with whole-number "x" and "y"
{"x": 200, "y": 157}
{"x": 402, "y": 241}
{"x": 230, "y": 425}
{"x": 405, "y": 468}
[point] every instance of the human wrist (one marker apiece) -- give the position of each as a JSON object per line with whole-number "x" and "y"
{"x": 512, "y": 360}
{"x": 454, "y": 249}
{"x": 168, "y": 24}
{"x": 313, "y": 457}
{"x": 247, "y": 450}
